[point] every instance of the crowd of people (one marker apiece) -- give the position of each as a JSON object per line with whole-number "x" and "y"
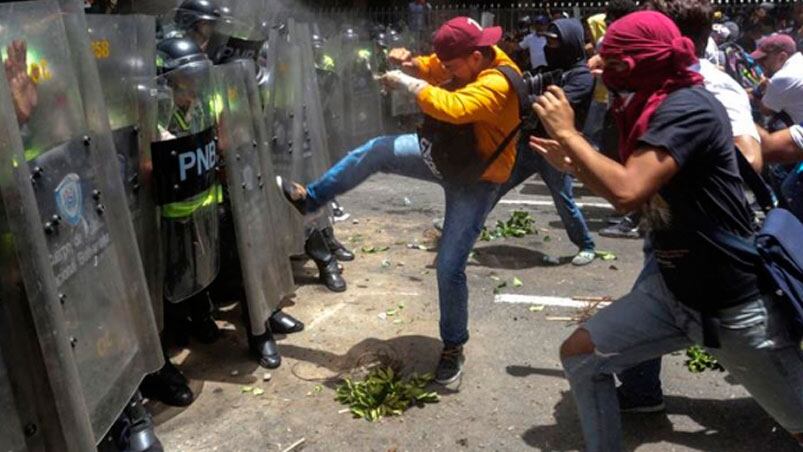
{"x": 688, "y": 119}
{"x": 670, "y": 114}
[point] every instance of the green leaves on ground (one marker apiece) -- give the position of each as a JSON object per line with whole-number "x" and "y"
{"x": 500, "y": 284}
{"x": 384, "y": 393}
{"x": 700, "y": 360}
{"x": 606, "y": 255}
{"x": 374, "y": 249}
{"x": 519, "y": 224}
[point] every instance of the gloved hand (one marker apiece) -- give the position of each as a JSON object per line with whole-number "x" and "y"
{"x": 399, "y": 80}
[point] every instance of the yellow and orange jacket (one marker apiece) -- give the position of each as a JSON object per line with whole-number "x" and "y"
{"x": 489, "y": 102}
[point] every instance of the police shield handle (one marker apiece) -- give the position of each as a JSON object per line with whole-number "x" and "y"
{"x": 404, "y": 58}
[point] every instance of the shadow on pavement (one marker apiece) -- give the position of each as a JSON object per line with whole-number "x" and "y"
{"x": 525, "y": 371}
{"x": 726, "y": 425}
{"x": 510, "y": 257}
{"x": 406, "y": 354}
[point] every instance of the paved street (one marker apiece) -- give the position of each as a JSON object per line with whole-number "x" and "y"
{"x": 513, "y": 395}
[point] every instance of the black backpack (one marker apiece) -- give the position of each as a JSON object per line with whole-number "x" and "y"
{"x": 453, "y": 147}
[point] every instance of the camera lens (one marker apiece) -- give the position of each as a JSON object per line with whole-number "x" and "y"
{"x": 537, "y": 83}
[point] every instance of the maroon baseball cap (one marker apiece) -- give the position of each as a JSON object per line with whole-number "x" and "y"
{"x": 774, "y": 43}
{"x": 462, "y": 35}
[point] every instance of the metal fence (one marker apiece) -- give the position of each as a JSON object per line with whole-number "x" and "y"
{"x": 503, "y": 15}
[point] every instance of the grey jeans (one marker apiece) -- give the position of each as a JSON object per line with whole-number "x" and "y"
{"x": 648, "y": 322}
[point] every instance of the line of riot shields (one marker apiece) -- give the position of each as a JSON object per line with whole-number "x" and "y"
{"x": 138, "y": 159}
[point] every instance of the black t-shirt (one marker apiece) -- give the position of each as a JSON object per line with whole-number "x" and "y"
{"x": 708, "y": 190}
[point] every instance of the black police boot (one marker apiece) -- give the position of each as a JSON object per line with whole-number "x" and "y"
{"x": 264, "y": 348}
{"x": 283, "y": 323}
{"x": 133, "y": 431}
{"x": 141, "y": 436}
{"x": 329, "y": 271}
{"x": 340, "y": 252}
{"x": 203, "y": 325}
{"x": 167, "y": 385}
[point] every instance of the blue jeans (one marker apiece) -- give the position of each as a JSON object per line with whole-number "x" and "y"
{"x": 648, "y": 322}
{"x": 642, "y": 382}
{"x": 529, "y": 162}
{"x": 595, "y": 121}
{"x": 467, "y": 207}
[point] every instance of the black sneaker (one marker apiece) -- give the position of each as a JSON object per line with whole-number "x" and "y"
{"x": 640, "y": 404}
{"x": 294, "y": 193}
{"x": 450, "y": 367}
{"x": 626, "y": 229}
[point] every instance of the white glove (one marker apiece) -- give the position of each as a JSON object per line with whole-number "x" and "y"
{"x": 397, "y": 80}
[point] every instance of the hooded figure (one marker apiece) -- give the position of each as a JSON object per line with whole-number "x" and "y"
{"x": 565, "y": 50}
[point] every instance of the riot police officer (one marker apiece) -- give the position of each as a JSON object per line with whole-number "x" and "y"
{"x": 223, "y": 48}
{"x": 184, "y": 160}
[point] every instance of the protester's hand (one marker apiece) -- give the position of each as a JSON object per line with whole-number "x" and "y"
{"x": 404, "y": 58}
{"x": 596, "y": 65}
{"x": 392, "y": 80}
{"x": 553, "y": 152}
{"x": 556, "y": 113}
{"x": 400, "y": 56}
{"x": 22, "y": 86}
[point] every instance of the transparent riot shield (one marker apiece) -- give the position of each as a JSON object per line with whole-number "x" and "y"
{"x": 81, "y": 215}
{"x": 281, "y": 224}
{"x": 184, "y": 174}
{"x": 363, "y": 99}
{"x": 239, "y": 33}
{"x": 248, "y": 197}
{"x": 315, "y": 153}
{"x": 316, "y": 145}
{"x": 326, "y": 59}
{"x": 125, "y": 51}
{"x": 12, "y": 435}
{"x": 401, "y": 104}
{"x": 282, "y": 94}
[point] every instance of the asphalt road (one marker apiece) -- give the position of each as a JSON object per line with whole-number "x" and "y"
{"x": 513, "y": 395}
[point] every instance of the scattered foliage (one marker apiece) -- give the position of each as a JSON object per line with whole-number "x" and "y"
{"x": 700, "y": 360}
{"x": 519, "y": 224}
{"x": 384, "y": 393}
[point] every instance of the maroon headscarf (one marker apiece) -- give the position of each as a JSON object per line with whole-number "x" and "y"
{"x": 658, "y": 60}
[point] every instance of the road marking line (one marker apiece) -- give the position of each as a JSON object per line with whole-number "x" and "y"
{"x": 545, "y": 301}
{"x": 527, "y": 202}
{"x": 328, "y": 312}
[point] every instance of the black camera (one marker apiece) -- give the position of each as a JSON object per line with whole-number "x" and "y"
{"x": 537, "y": 83}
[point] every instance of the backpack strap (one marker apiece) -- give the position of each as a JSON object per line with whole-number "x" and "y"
{"x": 765, "y": 198}
{"x": 517, "y": 82}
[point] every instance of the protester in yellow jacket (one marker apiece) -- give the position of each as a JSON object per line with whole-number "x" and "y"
{"x": 481, "y": 97}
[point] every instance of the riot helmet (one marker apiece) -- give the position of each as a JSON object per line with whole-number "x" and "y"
{"x": 394, "y": 39}
{"x": 350, "y": 35}
{"x": 198, "y": 19}
{"x": 182, "y": 67}
{"x": 318, "y": 41}
{"x": 192, "y": 11}
{"x": 381, "y": 40}
{"x": 377, "y": 30}
{"x": 172, "y": 53}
